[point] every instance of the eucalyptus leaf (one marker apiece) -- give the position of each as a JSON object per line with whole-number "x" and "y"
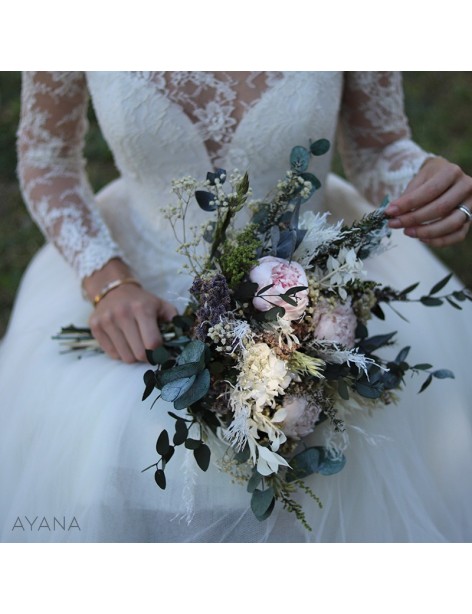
{"x": 301, "y": 232}
{"x": 158, "y": 356}
{"x": 254, "y": 481}
{"x": 299, "y": 159}
{"x": 459, "y": 295}
{"x": 367, "y": 391}
{"x": 262, "y": 503}
{"x": 374, "y": 343}
{"x": 430, "y": 301}
{"x": 410, "y": 289}
{"x": 453, "y": 304}
{"x": 295, "y": 289}
{"x": 402, "y": 354}
{"x": 361, "y": 331}
{"x": 162, "y": 444}
{"x": 176, "y": 417}
{"x": 330, "y": 463}
{"x": 274, "y": 238}
{"x": 181, "y": 432}
{"x": 202, "y": 456}
{"x": 440, "y": 285}
{"x": 443, "y": 374}
{"x": 173, "y": 390}
{"x": 288, "y": 299}
{"x": 243, "y": 455}
{"x": 219, "y": 173}
{"x": 391, "y": 380}
{"x": 375, "y": 373}
{"x": 205, "y": 200}
{"x": 270, "y": 315}
{"x": 320, "y": 147}
{"x": 246, "y": 291}
{"x": 426, "y": 383}
{"x": 378, "y": 311}
{"x": 193, "y": 444}
{"x": 286, "y": 244}
{"x": 304, "y": 464}
{"x": 160, "y": 478}
{"x": 193, "y": 352}
{"x": 169, "y": 454}
{"x": 166, "y": 376}
{"x": 264, "y": 289}
{"x": 150, "y": 383}
{"x": 196, "y": 392}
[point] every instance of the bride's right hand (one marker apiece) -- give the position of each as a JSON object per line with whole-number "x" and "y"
{"x": 125, "y": 320}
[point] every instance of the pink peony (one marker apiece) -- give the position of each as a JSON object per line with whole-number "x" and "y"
{"x": 299, "y": 417}
{"x": 284, "y": 275}
{"x": 337, "y": 324}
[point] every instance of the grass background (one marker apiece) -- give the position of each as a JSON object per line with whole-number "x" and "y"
{"x": 438, "y": 105}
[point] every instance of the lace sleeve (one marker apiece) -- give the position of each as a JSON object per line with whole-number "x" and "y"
{"x": 51, "y": 169}
{"x": 375, "y": 143}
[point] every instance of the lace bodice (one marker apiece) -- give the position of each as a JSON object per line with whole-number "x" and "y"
{"x": 164, "y": 125}
{"x": 214, "y": 101}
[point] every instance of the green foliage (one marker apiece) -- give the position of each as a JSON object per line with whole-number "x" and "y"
{"x": 262, "y": 503}
{"x": 316, "y": 459}
{"x": 429, "y": 98}
{"x": 10, "y": 84}
{"x": 240, "y": 255}
{"x": 299, "y": 159}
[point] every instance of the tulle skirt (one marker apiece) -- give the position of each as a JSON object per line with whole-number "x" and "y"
{"x": 75, "y": 434}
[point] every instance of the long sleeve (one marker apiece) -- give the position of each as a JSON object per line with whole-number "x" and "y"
{"x": 378, "y": 154}
{"x": 51, "y": 169}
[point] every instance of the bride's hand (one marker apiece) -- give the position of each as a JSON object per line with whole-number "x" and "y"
{"x": 428, "y": 208}
{"x": 125, "y": 320}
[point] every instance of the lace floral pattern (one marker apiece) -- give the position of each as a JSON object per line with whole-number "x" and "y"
{"x": 214, "y": 101}
{"x": 375, "y": 141}
{"x": 51, "y": 169}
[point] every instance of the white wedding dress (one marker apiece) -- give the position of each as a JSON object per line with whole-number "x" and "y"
{"x": 74, "y": 433}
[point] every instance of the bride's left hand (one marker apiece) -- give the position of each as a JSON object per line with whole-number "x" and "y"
{"x": 428, "y": 208}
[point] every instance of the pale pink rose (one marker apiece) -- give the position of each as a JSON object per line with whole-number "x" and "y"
{"x": 300, "y": 417}
{"x": 337, "y": 324}
{"x": 284, "y": 275}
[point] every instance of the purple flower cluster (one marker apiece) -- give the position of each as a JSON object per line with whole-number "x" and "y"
{"x": 213, "y": 299}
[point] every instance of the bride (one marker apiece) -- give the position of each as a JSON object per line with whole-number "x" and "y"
{"x": 74, "y": 434}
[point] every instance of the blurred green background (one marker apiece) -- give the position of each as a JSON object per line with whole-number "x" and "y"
{"x": 438, "y": 105}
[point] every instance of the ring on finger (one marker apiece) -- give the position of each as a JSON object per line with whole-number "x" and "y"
{"x": 465, "y": 209}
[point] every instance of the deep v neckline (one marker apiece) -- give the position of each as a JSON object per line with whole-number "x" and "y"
{"x": 217, "y": 104}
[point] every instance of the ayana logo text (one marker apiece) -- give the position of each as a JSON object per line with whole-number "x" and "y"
{"x": 61, "y": 523}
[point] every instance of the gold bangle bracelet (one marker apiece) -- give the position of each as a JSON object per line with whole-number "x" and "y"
{"x": 111, "y": 286}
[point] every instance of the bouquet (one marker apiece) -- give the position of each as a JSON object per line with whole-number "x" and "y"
{"x": 274, "y": 341}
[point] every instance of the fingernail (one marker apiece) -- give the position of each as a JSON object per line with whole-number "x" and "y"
{"x": 392, "y": 210}
{"x": 395, "y": 224}
{"x": 411, "y": 232}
